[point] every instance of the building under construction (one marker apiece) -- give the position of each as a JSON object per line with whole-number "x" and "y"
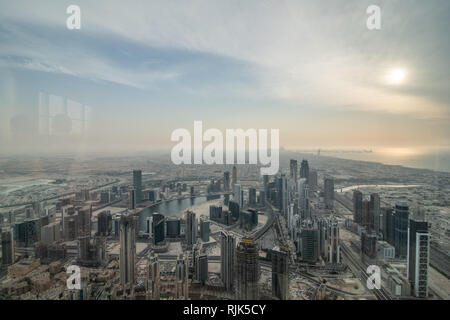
{"x": 247, "y": 270}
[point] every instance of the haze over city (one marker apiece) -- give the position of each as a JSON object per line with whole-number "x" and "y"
{"x": 312, "y": 70}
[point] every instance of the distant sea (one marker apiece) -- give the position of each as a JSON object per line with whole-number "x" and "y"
{"x": 437, "y": 160}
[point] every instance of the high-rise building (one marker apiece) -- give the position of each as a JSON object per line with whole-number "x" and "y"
{"x": 84, "y": 220}
{"x": 137, "y": 183}
{"x": 401, "y": 217}
{"x": 8, "y": 249}
{"x": 389, "y": 232}
{"x": 418, "y": 259}
{"x": 226, "y": 181}
{"x": 215, "y": 212}
{"x": 182, "y": 278}
{"x": 328, "y": 192}
{"x": 158, "y": 228}
{"x": 252, "y": 197}
{"x": 154, "y": 276}
{"x": 149, "y": 226}
{"x": 262, "y": 198}
{"x": 127, "y": 250}
{"x": 227, "y": 258}
{"x": 357, "y": 206}
{"x": 202, "y": 268}
{"x": 104, "y": 223}
{"x": 235, "y": 209}
{"x": 234, "y": 176}
{"x": 293, "y": 170}
{"x": 204, "y": 230}
{"x": 334, "y": 248}
{"x": 28, "y": 232}
{"x": 375, "y": 212}
{"x": 312, "y": 182}
{"x": 369, "y": 244}
{"x": 280, "y": 273}
{"x": 105, "y": 197}
{"x": 322, "y": 226}
{"x": 51, "y": 232}
{"x": 303, "y": 199}
{"x": 304, "y": 170}
{"x": 266, "y": 183}
{"x": 71, "y": 228}
{"x": 310, "y": 244}
{"x": 91, "y": 252}
{"x": 173, "y": 227}
{"x": 191, "y": 228}
{"x": 248, "y": 219}
{"x": 237, "y": 195}
{"x": 282, "y": 195}
{"x": 247, "y": 270}
{"x": 366, "y": 216}
{"x": 132, "y": 200}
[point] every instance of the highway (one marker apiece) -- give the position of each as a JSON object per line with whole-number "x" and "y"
{"x": 360, "y": 269}
{"x": 294, "y": 269}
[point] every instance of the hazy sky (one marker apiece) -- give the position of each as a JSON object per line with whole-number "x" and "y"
{"x": 309, "y": 68}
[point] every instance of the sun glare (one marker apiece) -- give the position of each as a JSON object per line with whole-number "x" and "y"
{"x": 397, "y": 76}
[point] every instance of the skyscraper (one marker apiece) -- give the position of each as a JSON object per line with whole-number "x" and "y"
{"x": 304, "y": 170}
{"x": 369, "y": 244}
{"x": 401, "y": 217}
{"x": 375, "y": 212}
{"x": 235, "y": 209}
{"x": 329, "y": 192}
{"x": 137, "y": 183}
{"x": 173, "y": 227}
{"x": 303, "y": 199}
{"x": 132, "y": 200}
{"x": 154, "y": 276}
{"x": 389, "y": 233}
{"x": 280, "y": 273}
{"x": 312, "y": 181}
{"x": 247, "y": 270}
{"x": 226, "y": 181}
{"x": 282, "y": 195}
{"x": 334, "y": 248}
{"x": 234, "y": 176}
{"x": 202, "y": 268}
{"x": 227, "y": 258}
{"x": 158, "y": 228}
{"x": 366, "y": 216}
{"x": 418, "y": 259}
{"x": 357, "y": 206}
{"x": 252, "y": 197}
{"x": 182, "y": 278}
{"x": 191, "y": 228}
{"x": 237, "y": 195}
{"x": 266, "y": 183}
{"x": 310, "y": 244}
{"x": 204, "y": 230}
{"x": 127, "y": 250}
{"x": 84, "y": 220}
{"x": 8, "y": 252}
{"x": 293, "y": 170}
{"x": 104, "y": 223}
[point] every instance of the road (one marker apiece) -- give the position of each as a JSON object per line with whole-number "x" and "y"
{"x": 360, "y": 268}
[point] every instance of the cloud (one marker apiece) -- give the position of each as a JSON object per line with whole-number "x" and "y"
{"x": 295, "y": 56}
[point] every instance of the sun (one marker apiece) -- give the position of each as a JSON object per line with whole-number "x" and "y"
{"x": 397, "y": 76}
